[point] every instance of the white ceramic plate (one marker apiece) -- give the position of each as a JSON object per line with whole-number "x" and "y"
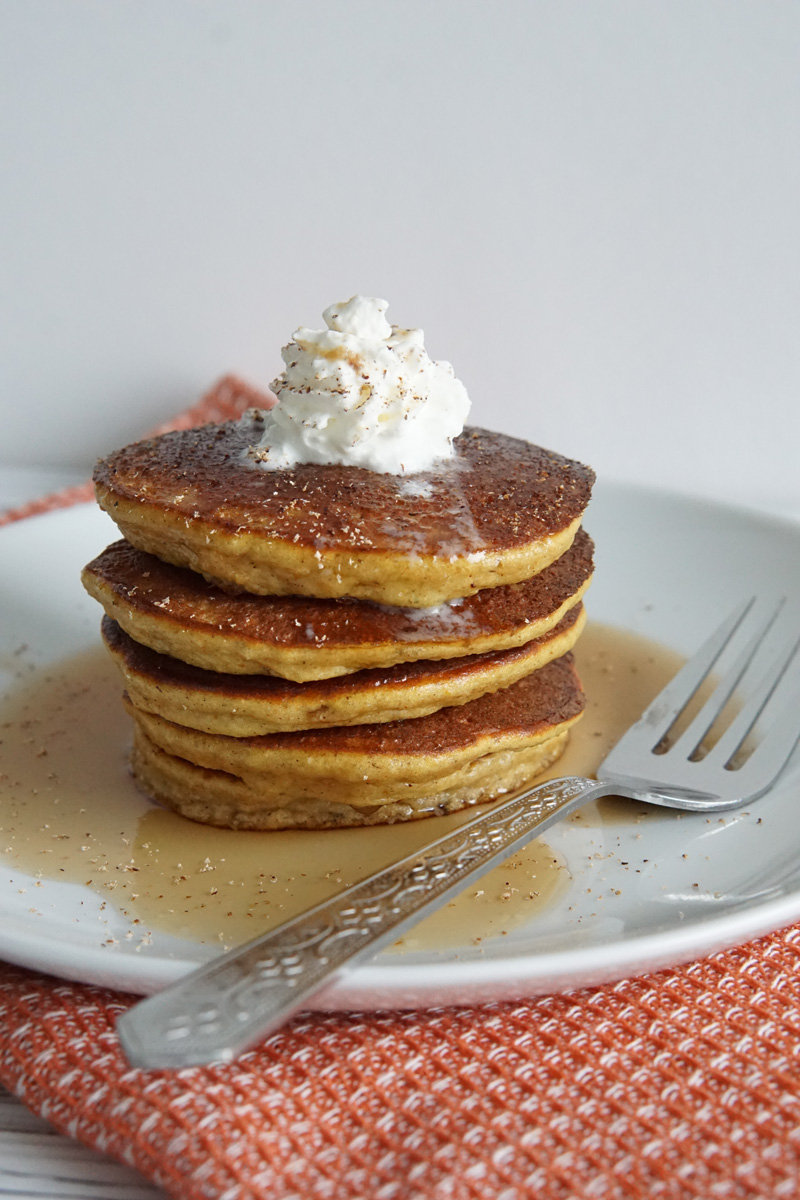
{"x": 643, "y": 894}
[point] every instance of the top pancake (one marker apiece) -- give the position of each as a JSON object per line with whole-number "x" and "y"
{"x": 497, "y": 513}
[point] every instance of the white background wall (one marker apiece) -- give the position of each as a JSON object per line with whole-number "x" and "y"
{"x": 592, "y": 207}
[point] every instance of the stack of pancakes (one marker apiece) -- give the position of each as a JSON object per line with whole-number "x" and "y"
{"x": 324, "y": 645}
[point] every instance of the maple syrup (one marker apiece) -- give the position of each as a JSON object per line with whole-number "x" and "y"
{"x": 71, "y": 812}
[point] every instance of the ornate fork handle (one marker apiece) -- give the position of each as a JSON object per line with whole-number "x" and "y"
{"x": 217, "y": 1011}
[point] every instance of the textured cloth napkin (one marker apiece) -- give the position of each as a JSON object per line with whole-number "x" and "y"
{"x": 681, "y": 1083}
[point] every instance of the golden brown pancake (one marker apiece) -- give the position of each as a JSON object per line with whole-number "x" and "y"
{"x": 178, "y": 613}
{"x": 363, "y": 774}
{"x": 250, "y": 705}
{"x": 499, "y": 512}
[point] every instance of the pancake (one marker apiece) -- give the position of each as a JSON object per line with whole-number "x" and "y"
{"x": 178, "y": 613}
{"x": 499, "y": 512}
{"x": 364, "y": 774}
{"x": 218, "y": 798}
{"x": 251, "y": 705}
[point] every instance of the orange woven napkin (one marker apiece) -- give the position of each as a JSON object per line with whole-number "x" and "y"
{"x": 681, "y": 1083}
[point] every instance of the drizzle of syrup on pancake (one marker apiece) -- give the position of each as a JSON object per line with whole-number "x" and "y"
{"x": 145, "y": 583}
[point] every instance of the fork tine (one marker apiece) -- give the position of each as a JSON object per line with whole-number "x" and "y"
{"x": 661, "y": 714}
{"x": 741, "y": 726}
{"x": 692, "y": 737}
{"x": 771, "y": 754}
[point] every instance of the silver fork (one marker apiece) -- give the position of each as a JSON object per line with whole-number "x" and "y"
{"x": 218, "y": 1010}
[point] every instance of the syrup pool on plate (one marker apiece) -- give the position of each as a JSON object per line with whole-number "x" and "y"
{"x": 71, "y": 812}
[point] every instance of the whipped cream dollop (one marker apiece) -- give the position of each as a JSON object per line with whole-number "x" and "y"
{"x": 362, "y": 393}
